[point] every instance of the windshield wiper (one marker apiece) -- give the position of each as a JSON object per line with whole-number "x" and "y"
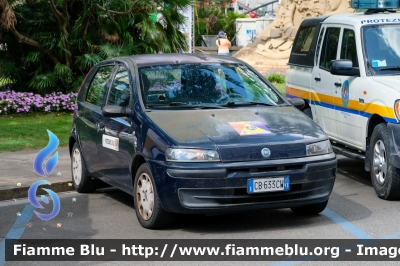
{"x": 230, "y": 104}
{"x": 390, "y": 68}
{"x": 185, "y": 105}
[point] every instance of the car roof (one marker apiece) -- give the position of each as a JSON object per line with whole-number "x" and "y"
{"x": 161, "y": 59}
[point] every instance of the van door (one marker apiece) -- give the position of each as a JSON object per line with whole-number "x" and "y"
{"x": 323, "y": 83}
{"x": 347, "y": 94}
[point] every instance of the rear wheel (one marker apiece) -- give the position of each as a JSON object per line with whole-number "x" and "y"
{"x": 80, "y": 178}
{"x": 310, "y": 209}
{"x": 149, "y": 210}
{"x": 384, "y": 176}
{"x": 308, "y": 112}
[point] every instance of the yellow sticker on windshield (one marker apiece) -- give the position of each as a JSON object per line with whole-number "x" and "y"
{"x": 250, "y": 128}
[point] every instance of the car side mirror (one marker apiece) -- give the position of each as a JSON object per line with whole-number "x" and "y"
{"x": 115, "y": 111}
{"x": 297, "y": 102}
{"x": 343, "y": 67}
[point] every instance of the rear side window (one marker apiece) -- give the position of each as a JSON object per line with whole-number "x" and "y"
{"x": 99, "y": 85}
{"x": 120, "y": 92}
{"x": 348, "y": 50}
{"x": 304, "y": 40}
{"x": 329, "y": 47}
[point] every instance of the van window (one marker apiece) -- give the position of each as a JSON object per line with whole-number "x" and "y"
{"x": 381, "y": 49}
{"x": 349, "y": 50}
{"x": 304, "y": 39}
{"x": 329, "y": 47}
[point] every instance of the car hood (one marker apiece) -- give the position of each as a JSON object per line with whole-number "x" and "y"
{"x": 239, "y": 134}
{"x": 391, "y": 81}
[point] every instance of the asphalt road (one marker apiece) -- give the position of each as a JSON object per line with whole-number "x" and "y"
{"x": 353, "y": 212}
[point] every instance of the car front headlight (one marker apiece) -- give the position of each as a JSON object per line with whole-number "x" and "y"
{"x": 191, "y": 155}
{"x": 318, "y": 148}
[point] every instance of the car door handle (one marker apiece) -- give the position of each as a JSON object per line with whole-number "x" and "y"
{"x": 317, "y": 79}
{"x": 338, "y": 84}
{"x": 100, "y": 126}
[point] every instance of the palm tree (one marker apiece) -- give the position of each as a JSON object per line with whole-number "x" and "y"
{"x": 52, "y": 44}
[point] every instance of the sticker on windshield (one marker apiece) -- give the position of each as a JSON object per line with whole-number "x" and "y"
{"x": 345, "y": 92}
{"x": 250, "y": 128}
{"x": 110, "y": 142}
{"x": 379, "y": 63}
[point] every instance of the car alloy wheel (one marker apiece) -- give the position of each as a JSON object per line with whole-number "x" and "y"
{"x": 379, "y": 162}
{"x": 77, "y": 166}
{"x": 145, "y": 196}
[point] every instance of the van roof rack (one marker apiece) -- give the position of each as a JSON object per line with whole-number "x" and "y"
{"x": 378, "y": 10}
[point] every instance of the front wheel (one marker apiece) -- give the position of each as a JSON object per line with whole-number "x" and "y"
{"x": 149, "y": 210}
{"x": 310, "y": 209}
{"x": 384, "y": 176}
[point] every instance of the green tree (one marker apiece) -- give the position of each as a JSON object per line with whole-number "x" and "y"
{"x": 51, "y": 44}
{"x": 211, "y": 19}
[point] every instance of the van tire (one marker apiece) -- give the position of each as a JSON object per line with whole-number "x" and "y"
{"x": 148, "y": 208}
{"x": 310, "y": 209}
{"x": 384, "y": 176}
{"x": 308, "y": 112}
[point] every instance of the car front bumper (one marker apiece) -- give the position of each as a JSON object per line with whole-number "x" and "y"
{"x": 222, "y": 187}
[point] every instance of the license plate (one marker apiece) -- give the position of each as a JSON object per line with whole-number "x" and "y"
{"x": 268, "y": 184}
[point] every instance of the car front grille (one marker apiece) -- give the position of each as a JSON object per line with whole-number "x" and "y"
{"x": 220, "y": 197}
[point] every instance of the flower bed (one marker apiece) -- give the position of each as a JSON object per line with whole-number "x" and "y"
{"x": 27, "y": 102}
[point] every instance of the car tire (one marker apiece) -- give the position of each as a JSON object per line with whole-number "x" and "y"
{"x": 310, "y": 209}
{"x": 148, "y": 208}
{"x": 384, "y": 176}
{"x": 308, "y": 112}
{"x": 83, "y": 183}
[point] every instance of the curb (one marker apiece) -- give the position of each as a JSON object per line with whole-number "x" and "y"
{"x": 22, "y": 192}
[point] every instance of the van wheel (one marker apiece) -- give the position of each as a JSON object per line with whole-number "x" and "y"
{"x": 384, "y": 176}
{"x": 80, "y": 178}
{"x": 310, "y": 209}
{"x": 308, "y": 112}
{"x": 148, "y": 207}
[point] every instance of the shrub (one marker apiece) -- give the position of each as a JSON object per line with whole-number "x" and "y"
{"x": 27, "y": 102}
{"x": 276, "y": 78}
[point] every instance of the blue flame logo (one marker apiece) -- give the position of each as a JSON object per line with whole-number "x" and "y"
{"x": 32, "y": 198}
{"x": 44, "y": 153}
{"x": 44, "y": 171}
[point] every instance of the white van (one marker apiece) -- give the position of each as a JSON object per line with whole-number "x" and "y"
{"x": 347, "y": 68}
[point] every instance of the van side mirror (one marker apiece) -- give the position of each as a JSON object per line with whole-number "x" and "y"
{"x": 343, "y": 67}
{"x": 297, "y": 102}
{"x": 115, "y": 111}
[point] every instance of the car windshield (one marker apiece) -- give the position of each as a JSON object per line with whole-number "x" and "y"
{"x": 206, "y": 85}
{"x": 382, "y": 49}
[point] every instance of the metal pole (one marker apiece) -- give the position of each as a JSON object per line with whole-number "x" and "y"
{"x": 193, "y": 24}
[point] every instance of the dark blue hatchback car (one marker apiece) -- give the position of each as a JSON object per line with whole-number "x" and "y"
{"x": 188, "y": 133}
